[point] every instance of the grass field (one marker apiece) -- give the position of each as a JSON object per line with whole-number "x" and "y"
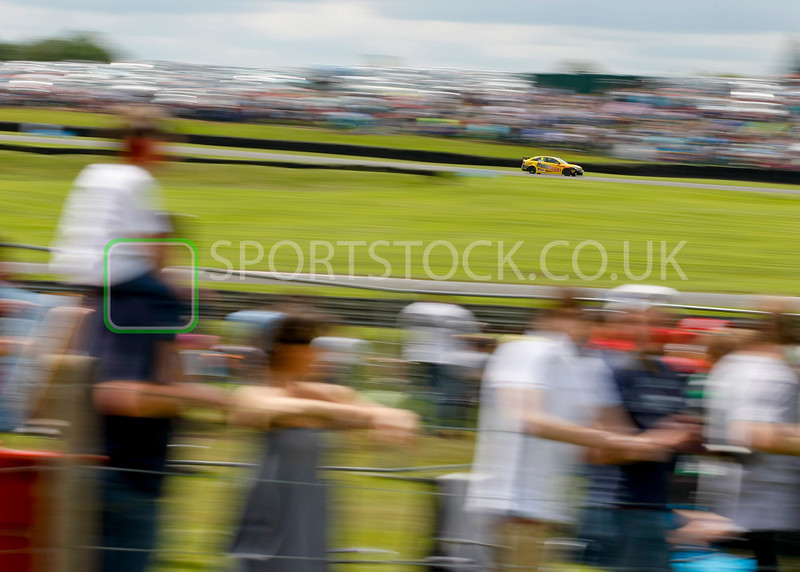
{"x": 734, "y": 241}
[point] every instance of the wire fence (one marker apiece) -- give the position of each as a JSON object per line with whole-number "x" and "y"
{"x": 417, "y": 522}
{"x": 232, "y": 480}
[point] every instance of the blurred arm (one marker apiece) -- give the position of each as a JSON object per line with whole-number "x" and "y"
{"x": 144, "y": 399}
{"x": 656, "y": 444}
{"x": 144, "y": 213}
{"x": 164, "y": 397}
{"x": 387, "y": 423}
{"x": 777, "y": 438}
{"x": 159, "y": 251}
{"x": 265, "y": 408}
{"x": 539, "y": 422}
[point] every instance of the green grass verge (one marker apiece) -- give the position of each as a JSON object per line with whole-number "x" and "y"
{"x": 56, "y": 116}
{"x": 735, "y": 242}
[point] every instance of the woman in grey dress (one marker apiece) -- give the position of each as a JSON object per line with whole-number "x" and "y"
{"x": 282, "y": 528}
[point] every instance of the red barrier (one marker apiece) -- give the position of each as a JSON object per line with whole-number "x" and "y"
{"x": 27, "y": 508}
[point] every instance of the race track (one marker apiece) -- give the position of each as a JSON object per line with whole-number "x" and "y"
{"x": 324, "y": 160}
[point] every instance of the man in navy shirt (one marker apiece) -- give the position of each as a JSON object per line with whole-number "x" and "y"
{"x": 626, "y": 519}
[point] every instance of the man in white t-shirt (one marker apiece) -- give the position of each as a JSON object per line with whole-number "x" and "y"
{"x": 539, "y": 398}
{"x": 109, "y": 201}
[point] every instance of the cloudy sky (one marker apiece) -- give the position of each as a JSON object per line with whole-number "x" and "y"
{"x": 622, "y": 36}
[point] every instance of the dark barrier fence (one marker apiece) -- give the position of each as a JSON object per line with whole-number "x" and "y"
{"x": 439, "y": 157}
{"x": 351, "y": 311}
{"x": 497, "y": 318}
{"x": 376, "y": 168}
{"x": 697, "y": 172}
{"x": 355, "y": 151}
{"x": 58, "y": 150}
{"x": 306, "y": 147}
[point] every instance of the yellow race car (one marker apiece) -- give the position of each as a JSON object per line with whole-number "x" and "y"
{"x": 554, "y": 165}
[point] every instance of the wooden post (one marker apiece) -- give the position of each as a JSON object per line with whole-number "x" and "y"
{"x": 72, "y": 513}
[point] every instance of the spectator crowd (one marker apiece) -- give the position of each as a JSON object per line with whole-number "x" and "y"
{"x": 701, "y": 120}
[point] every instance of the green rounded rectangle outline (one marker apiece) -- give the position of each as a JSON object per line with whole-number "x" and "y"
{"x": 156, "y": 329}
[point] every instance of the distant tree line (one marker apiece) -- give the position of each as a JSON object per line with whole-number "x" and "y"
{"x": 75, "y": 47}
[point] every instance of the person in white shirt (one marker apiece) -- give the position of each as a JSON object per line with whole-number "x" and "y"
{"x": 752, "y": 400}
{"x": 433, "y": 339}
{"x": 109, "y": 201}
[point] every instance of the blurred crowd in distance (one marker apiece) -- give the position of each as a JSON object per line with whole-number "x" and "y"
{"x": 705, "y": 120}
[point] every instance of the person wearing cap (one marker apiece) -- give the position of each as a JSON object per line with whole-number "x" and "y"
{"x": 138, "y": 391}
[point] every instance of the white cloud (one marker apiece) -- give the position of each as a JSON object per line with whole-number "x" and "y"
{"x": 352, "y": 28}
{"x": 338, "y": 32}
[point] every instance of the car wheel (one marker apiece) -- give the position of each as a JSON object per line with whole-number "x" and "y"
{"x": 532, "y": 170}
{"x": 567, "y": 172}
